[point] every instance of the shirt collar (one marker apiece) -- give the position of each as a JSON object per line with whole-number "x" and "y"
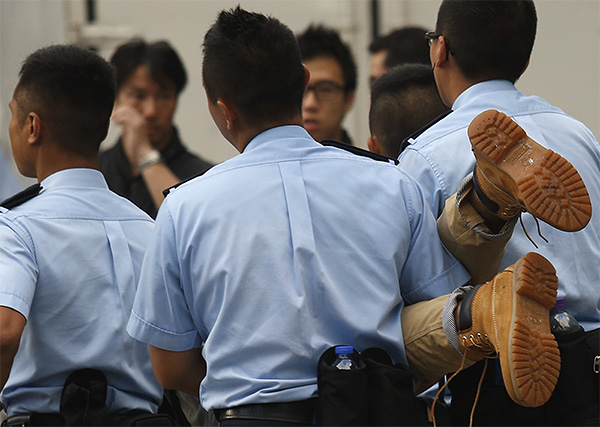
{"x": 279, "y": 132}
{"x": 78, "y": 177}
{"x": 478, "y": 89}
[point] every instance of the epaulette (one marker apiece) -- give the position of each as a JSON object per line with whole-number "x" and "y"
{"x": 20, "y": 198}
{"x": 358, "y": 151}
{"x": 168, "y": 190}
{"x": 416, "y": 133}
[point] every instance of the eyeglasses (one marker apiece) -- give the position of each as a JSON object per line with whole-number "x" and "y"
{"x": 430, "y": 36}
{"x": 325, "y": 91}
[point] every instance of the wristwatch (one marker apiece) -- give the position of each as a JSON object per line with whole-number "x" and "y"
{"x": 152, "y": 158}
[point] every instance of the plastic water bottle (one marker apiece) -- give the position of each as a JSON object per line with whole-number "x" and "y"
{"x": 345, "y": 358}
{"x": 561, "y": 321}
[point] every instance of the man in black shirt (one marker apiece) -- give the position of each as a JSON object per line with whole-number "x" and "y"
{"x": 149, "y": 156}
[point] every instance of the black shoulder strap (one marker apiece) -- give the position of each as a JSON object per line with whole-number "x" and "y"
{"x": 168, "y": 190}
{"x": 417, "y": 133}
{"x": 22, "y": 197}
{"x": 358, "y": 151}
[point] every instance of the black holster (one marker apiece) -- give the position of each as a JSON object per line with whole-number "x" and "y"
{"x": 83, "y": 400}
{"x": 83, "y": 403}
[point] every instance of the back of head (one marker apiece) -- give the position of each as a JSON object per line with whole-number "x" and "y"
{"x": 162, "y": 61}
{"x": 253, "y": 62}
{"x": 405, "y": 45}
{"x": 319, "y": 41}
{"x": 403, "y": 100}
{"x": 489, "y": 39}
{"x": 73, "y": 91}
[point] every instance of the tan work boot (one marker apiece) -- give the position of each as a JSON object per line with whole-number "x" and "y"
{"x": 517, "y": 174}
{"x": 508, "y": 317}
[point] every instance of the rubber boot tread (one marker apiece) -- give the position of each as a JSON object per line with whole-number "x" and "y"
{"x": 537, "y": 179}
{"x": 534, "y": 358}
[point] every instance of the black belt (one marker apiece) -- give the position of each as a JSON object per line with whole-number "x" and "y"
{"x": 36, "y": 419}
{"x": 126, "y": 419}
{"x": 301, "y": 412}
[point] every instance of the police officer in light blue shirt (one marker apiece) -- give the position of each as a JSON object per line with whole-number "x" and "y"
{"x": 475, "y": 66}
{"x": 290, "y": 238}
{"x": 71, "y": 250}
{"x": 268, "y": 259}
{"x": 441, "y": 156}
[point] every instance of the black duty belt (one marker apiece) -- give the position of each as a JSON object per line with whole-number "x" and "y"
{"x": 301, "y": 412}
{"x": 34, "y": 420}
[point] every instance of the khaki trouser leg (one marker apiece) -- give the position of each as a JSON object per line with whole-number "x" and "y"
{"x": 429, "y": 351}
{"x": 464, "y": 234}
{"x": 430, "y": 355}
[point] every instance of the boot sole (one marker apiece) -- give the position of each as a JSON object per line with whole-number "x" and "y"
{"x": 533, "y": 357}
{"x": 542, "y": 182}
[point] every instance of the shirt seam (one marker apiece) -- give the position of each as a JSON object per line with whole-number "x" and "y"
{"x": 156, "y": 327}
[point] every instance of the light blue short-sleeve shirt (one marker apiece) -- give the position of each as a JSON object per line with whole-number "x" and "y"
{"x": 441, "y": 157}
{"x": 69, "y": 262}
{"x": 279, "y": 253}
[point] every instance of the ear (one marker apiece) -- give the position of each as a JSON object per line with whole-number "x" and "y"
{"x": 441, "y": 51}
{"x": 306, "y": 75}
{"x": 229, "y": 113}
{"x": 374, "y": 145}
{"x": 349, "y": 102}
{"x": 34, "y": 128}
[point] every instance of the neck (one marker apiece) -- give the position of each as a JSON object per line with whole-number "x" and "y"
{"x": 247, "y": 134}
{"x": 339, "y": 134}
{"x": 52, "y": 159}
{"x": 451, "y": 82}
{"x": 161, "y": 145}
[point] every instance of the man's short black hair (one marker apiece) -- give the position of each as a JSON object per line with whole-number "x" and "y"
{"x": 490, "y": 39}
{"x": 73, "y": 90}
{"x": 162, "y": 61}
{"x": 253, "y": 61}
{"x": 405, "y": 45}
{"x": 403, "y": 100}
{"x": 320, "y": 41}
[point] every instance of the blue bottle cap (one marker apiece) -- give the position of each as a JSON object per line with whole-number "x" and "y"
{"x": 560, "y": 304}
{"x": 344, "y": 349}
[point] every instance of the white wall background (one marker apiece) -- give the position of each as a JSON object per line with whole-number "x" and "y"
{"x": 564, "y": 69}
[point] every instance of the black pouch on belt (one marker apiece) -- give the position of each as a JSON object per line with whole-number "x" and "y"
{"x": 375, "y": 393}
{"x": 83, "y": 400}
{"x": 342, "y": 393}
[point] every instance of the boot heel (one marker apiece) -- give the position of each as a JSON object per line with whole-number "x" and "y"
{"x": 494, "y": 134}
{"x": 534, "y": 356}
{"x": 537, "y": 280}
